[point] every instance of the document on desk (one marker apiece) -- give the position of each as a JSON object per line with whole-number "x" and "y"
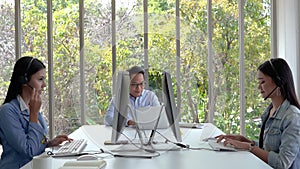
{"x": 92, "y": 164}
{"x": 191, "y": 125}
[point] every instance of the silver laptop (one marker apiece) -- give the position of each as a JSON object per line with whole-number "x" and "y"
{"x": 146, "y": 117}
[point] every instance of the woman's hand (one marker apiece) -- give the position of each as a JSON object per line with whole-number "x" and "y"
{"x": 237, "y": 144}
{"x": 34, "y": 105}
{"x": 130, "y": 123}
{"x": 233, "y": 137}
{"x": 237, "y": 141}
{"x": 58, "y": 140}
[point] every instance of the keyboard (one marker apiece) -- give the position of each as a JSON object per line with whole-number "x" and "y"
{"x": 72, "y": 148}
{"x": 220, "y": 146}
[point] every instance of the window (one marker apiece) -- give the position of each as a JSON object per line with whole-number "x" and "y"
{"x": 7, "y": 44}
{"x": 160, "y": 35}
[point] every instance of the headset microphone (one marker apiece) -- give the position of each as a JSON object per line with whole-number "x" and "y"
{"x": 270, "y": 93}
{"x": 29, "y": 86}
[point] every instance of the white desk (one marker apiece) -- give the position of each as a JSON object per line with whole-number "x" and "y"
{"x": 183, "y": 159}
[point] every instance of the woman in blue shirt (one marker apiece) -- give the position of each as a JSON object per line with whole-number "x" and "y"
{"x": 23, "y": 130}
{"x": 279, "y": 140}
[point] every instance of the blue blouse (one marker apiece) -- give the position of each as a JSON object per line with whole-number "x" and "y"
{"x": 148, "y": 98}
{"x": 21, "y": 139}
{"x": 282, "y": 136}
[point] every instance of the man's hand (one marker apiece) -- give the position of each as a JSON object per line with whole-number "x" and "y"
{"x": 130, "y": 123}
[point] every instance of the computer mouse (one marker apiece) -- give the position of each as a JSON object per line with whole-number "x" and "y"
{"x": 87, "y": 157}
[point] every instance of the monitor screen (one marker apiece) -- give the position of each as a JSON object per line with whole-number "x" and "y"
{"x": 121, "y": 105}
{"x": 169, "y": 101}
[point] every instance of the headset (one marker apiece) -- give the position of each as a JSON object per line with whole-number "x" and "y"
{"x": 24, "y": 79}
{"x": 278, "y": 79}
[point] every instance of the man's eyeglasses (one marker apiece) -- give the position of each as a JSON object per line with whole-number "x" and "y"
{"x": 136, "y": 85}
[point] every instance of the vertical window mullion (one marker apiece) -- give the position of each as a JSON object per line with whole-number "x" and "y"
{"x": 50, "y": 67}
{"x": 18, "y": 28}
{"x": 146, "y": 42}
{"x": 273, "y": 29}
{"x": 211, "y": 94}
{"x": 82, "y": 65}
{"x": 242, "y": 66}
{"x": 113, "y": 37}
{"x": 178, "y": 78}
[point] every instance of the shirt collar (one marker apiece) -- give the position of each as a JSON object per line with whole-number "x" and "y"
{"x": 23, "y": 105}
{"x": 280, "y": 112}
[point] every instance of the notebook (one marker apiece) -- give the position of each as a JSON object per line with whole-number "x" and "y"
{"x": 137, "y": 153}
{"x": 94, "y": 164}
{"x": 146, "y": 117}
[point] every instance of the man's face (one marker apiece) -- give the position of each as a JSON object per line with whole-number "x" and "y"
{"x": 137, "y": 84}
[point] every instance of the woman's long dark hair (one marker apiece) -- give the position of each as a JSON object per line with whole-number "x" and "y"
{"x": 281, "y": 74}
{"x": 24, "y": 68}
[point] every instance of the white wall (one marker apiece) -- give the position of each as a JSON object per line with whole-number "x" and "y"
{"x": 288, "y": 35}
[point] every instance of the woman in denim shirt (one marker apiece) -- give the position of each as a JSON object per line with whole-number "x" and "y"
{"x": 23, "y": 129}
{"x": 279, "y": 140}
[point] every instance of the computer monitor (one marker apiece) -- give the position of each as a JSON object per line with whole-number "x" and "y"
{"x": 169, "y": 101}
{"x": 121, "y": 105}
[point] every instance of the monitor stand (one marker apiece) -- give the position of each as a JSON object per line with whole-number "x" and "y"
{"x": 145, "y": 151}
{"x": 164, "y": 146}
{"x": 142, "y": 149}
{"x": 156, "y": 146}
{"x": 136, "y": 154}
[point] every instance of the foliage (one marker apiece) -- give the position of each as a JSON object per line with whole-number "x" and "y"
{"x": 7, "y": 46}
{"x": 226, "y": 57}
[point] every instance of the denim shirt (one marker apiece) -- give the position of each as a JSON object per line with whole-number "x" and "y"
{"x": 148, "y": 98}
{"x": 282, "y": 136}
{"x": 21, "y": 139}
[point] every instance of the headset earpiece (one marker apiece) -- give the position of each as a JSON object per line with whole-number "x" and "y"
{"x": 24, "y": 79}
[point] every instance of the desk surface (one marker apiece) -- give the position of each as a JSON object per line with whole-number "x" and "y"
{"x": 182, "y": 159}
